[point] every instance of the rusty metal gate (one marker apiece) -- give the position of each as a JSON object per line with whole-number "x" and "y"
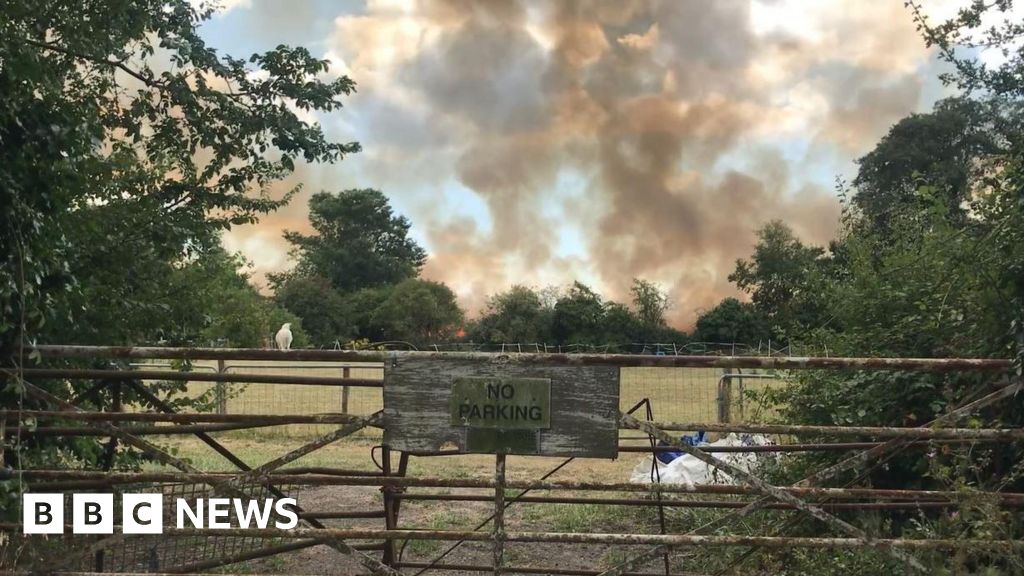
{"x": 378, "y": 550}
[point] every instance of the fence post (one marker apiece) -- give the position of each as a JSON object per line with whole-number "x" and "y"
{"x": 725, "y": 396}
{"x": 220, "y": 390}
{"x": 346, "y": 373}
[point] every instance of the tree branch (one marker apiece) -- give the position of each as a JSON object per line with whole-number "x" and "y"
{"x": 147, "y": 80}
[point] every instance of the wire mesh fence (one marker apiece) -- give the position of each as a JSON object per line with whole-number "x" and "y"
{"x": 675, "y": 394}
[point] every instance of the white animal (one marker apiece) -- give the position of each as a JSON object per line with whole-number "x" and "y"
{"x": 284, "y": 336}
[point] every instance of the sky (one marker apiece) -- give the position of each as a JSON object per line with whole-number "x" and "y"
{"x": 538, "y": 143}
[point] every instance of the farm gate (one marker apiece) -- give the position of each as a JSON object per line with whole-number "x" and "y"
{"x": 566, "y": 408}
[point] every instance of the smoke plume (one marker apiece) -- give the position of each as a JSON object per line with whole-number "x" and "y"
{"x": 537, "y": 142}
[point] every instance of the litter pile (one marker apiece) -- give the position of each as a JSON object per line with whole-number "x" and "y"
{"x": 681, "y": 468}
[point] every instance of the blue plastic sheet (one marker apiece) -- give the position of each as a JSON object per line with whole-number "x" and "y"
{"x": 688, "y": 439}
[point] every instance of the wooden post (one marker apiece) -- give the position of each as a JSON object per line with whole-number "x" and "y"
{"x": 725, "y": 396}
{"x": 220, "y": 390}
{"x": 346, "y": 373}
{"x": 499, "y": 513}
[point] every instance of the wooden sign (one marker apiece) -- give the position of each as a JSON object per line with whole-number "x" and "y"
{"x": 501, "y": 406}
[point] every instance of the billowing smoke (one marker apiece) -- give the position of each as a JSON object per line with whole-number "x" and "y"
{"x": 608, "y": 140}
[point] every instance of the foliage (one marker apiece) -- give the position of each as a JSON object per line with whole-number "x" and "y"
{"x": 929, "y": 288}
{"x": 783, "y": 280}
{"x": 620, "y": 325}
{"x": 578, "y": 316}
{"x": 929, "y": 263}
{"x": 990, "y": 26}
{"x": 978, "y": 26}
{"x": 359, "y": 242}
{"x": 324, "y": 311}
{"x": 361, "y": 305}
{"x": 943, "y": 148}
{"x": 732, "y": 321}
{"x": 649, "y": 302}
{"x": 943, "y": 278}
{"x": 128, "y": 143}
{"x": 516, "y": 315}
{"x": 211, "y": 301}
{"x": 418, "y": 311}
{"x": 647, "y": 323}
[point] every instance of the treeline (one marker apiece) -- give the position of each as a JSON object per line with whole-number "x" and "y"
{"x": 356, "y": 279}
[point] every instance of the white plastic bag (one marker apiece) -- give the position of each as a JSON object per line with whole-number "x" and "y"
{"x": 690, "y": 471}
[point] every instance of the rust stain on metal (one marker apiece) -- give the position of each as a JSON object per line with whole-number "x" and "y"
{"x": 177, "y": 376}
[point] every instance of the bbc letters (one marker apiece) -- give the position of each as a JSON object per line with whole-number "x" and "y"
{"x": 144, "y": 513}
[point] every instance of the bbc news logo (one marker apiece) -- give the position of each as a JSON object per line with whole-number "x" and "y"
{"x": 144, "y": 513}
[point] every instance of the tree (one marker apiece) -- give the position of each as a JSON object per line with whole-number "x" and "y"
{"x": 418, "y": 311}
{"x": 578, "y": 317}
{"x": 732, "y": 321}
{"x": 960, "y": 40}
{"x": 782, "y": 278}
{"x": 976, "y": 27}
{"x": 621, "y": 327}
{"x": 942, "y": 149}
{"x": 649, "y": 302}
{"x": 361, "y": 306}
{"x": 210, "y": 301}
{"x": 514, "y": 316}
{"x": 115, "y": 162}
{"x": 126, "y": 146}
{"x": 944, "y": 282}
{"x": 324, "y": 311}
{"x": 359, "y": 242}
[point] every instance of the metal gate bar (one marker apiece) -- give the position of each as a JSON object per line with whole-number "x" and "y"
{"x": 802, "y": 497}
{"x": 229, "y": 485}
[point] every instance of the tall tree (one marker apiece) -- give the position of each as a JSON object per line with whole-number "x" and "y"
{"x": 782, "y": 278}
{"x": 944, "y": 282}
{"x": 943, "y": 149}
{"x": 649, "y": 302}
{"x": 359, "y": 242}
{"x": 126, "y": 144}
